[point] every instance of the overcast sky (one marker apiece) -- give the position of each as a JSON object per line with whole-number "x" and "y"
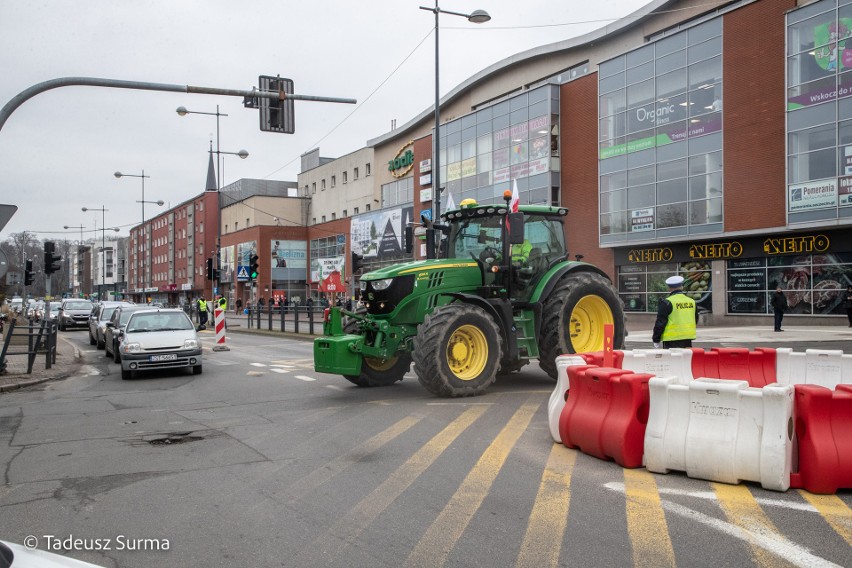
{"x": 59, "y": 150}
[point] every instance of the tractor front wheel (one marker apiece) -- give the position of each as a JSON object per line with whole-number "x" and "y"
{"x": 377, "y": 372}
{"x": 574, "y": 318}
{"x": 457, "y": 351}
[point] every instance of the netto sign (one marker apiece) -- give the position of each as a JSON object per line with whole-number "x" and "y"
{"x": 403, "y": 161}
{"x": 650, "y": 255}
{"x": 796, "y": 245}
{"x": 716, "y": 250}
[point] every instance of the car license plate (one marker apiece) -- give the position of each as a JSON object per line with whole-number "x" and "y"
{"x": 170, "y": 357}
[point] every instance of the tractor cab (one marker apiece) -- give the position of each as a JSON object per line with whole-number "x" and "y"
{"x": 513, "y": 251}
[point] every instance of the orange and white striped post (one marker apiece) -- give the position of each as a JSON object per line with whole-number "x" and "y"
{"x": 219, "y": 320}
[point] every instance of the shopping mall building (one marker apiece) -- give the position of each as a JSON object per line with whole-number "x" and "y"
{"x": 710, "y": 139}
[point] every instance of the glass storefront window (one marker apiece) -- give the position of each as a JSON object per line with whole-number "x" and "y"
{"x": 813, "y": 284}
{"x": 642, "y": 287}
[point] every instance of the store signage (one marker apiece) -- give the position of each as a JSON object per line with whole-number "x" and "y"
{"x": 796, "y": 245}
{"x": 650, "y": 255}
{"x": 403, "y": 161}
{"x": 426, "y": 179}
{"x": 186, "y": 286}
{"x": 642, "y": 219}
{"x": 426, "y": 194}
{"x": 716, "y": 250}
{"x": 153, "y": 289}
{"x": 813, "y": 195}
{"x": 425, "y": 166}
{"x": 844, "y": 190}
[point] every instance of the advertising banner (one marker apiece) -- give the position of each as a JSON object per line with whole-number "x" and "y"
{"x": 379, "y": 235}
{"x": 289, "y": 254}
{"x": 642, "y": 219}
{"x": 844, "y": 191}
{"x": 329, "y": 273}
{"x": 813, "y": 195}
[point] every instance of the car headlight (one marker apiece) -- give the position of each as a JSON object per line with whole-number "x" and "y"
{"x": 190, "y": 344}
{"x": 132, "y": 347}
{"x": 382, "y": 284}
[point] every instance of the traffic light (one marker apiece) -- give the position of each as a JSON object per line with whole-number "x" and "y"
{"x": 28, "y": 273}
{"x": 253, "y": 267}
{"x": 357, "y": 262}
{"x": 210, "y": 269}
{"x": 51, "y": 260}
{"x": 276, "y": 115}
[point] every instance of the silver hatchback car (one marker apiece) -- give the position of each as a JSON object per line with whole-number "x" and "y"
{"x": 158, "y": 339}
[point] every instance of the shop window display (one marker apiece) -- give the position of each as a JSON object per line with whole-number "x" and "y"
{"x": 642, "y": 287}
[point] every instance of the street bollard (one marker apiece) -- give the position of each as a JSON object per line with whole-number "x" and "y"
{"x": 311, "y": 320}
{"x": 219, "y": 322}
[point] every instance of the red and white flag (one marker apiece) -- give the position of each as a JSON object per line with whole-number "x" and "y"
{"x": 516, "y": 199}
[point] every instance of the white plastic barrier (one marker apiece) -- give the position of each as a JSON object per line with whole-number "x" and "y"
{"x": 721, "y": 430}
{"x": 826, "y": 368}
{"x": 557, "y": 398}
{"x": 675, "y": 363}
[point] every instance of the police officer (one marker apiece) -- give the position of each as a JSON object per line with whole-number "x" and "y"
{"x": 202, "y": 312}
{"x": 676, "y": 317}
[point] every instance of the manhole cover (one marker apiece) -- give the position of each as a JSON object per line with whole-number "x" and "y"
{"x": 175, "y": 438}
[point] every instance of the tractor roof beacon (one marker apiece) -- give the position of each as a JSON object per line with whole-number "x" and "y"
{"x": 502, "y": 292}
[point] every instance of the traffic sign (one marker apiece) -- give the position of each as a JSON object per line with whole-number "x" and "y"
{"x": 242, "y": 273}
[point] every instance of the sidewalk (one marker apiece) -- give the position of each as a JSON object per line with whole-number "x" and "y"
{"x": 67, "y": 360}
{"x": 760, "y": 335}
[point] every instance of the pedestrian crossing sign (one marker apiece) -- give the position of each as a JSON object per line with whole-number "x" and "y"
{"x": 242, "y": 273}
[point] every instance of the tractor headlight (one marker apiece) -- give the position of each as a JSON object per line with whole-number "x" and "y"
{"x": 382, "y": 284}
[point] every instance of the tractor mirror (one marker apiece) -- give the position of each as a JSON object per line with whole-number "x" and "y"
{"x": 409, "y": 239}
{"x": 516, "y": 228}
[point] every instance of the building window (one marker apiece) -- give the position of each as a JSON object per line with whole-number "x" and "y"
{"x": 314, "y": 221}
{"x": 367, "y": 207}
{"x": 313, "y": 188}
{"x": 345, "y": 177}
{"x": 344, "y": 212}
{"x": 355, "y": 211}
{"x": 236, "y": 225}
{"x": 323, "y": 218}
{"x": 323, "y": 184}
{"x": 333, "y": 181}
{"x": 660, "y": 138}
{"x": 400, "y": 192}
{"x": 819, "y": 112}
{"x": 333, "y": 216}
{"x": 367, "y": 169}
{"x": 247, "y": 222}
{"x": 355, "y": 173}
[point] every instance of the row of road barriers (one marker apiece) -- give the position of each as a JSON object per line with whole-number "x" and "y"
{"x": 773, "y": 416}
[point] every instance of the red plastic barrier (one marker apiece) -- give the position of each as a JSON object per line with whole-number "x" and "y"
{"x": 606, "y": 414}
{"x": 597, "y": 358}
{"x": 757, "y": 367}
{"x": 824, "y": 432}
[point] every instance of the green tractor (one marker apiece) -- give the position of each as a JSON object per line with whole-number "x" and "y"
{"x": 502, "y": 293}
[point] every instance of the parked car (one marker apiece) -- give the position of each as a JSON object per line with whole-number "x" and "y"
{"x": 116, "y": 323}
{"x": 158, "y": 339}
{"x": 54, "y": 311}
{"x": 17, "y": 304}
{"x": 35, "y": 310}
{"x": 98, "y": 319}
{"x": 74, "y": 313}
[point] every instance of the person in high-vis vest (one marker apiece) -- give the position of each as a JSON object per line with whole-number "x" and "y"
{"x": 676, "y": 317}
{"x": 202, "y": 312}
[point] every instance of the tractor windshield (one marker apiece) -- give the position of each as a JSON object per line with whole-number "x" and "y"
{"x": 472, "y": 236}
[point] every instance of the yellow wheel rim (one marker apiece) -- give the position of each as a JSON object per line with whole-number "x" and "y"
{"x": 586, "y": 328}
{"x": 380, "y": 364}
{"x": 467, "y": 352}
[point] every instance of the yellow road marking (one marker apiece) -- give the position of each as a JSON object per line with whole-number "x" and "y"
{"x": 834, "y": 511}
{"x": 435, "y": 546}
{"x": 646, "y": 521}
{"x": 327, "y": 471}
{"x": 549, "y": 517}
{"x": 742, "y": 510}
{"x": 351, "y": 525}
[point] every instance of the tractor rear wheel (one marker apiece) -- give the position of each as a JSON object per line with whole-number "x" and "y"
{"x": 574, "y": 318}
{"x": 377, "y": 372}
{"x": 457, "y": 351}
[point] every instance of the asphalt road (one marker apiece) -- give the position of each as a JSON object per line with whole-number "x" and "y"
{"x": 260, "y": 461}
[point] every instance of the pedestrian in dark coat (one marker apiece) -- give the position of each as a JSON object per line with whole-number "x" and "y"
{"x": 848, "y": 304}
{"x": 779, "y": 306}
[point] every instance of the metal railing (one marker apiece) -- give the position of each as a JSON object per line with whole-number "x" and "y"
{"x": 295, "y": 319}
{"x": 40, "y": 336}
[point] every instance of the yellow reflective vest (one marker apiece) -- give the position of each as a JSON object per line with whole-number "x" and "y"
{"x": 681, "y": 323}
{"x": 202, "y": 306}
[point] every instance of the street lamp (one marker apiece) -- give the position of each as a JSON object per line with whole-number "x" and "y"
{"x": 103, "y": 231}
{"x": 182, "y": 111}
{"x": 476, "y": 17}
{"x": 145, "y": 257}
